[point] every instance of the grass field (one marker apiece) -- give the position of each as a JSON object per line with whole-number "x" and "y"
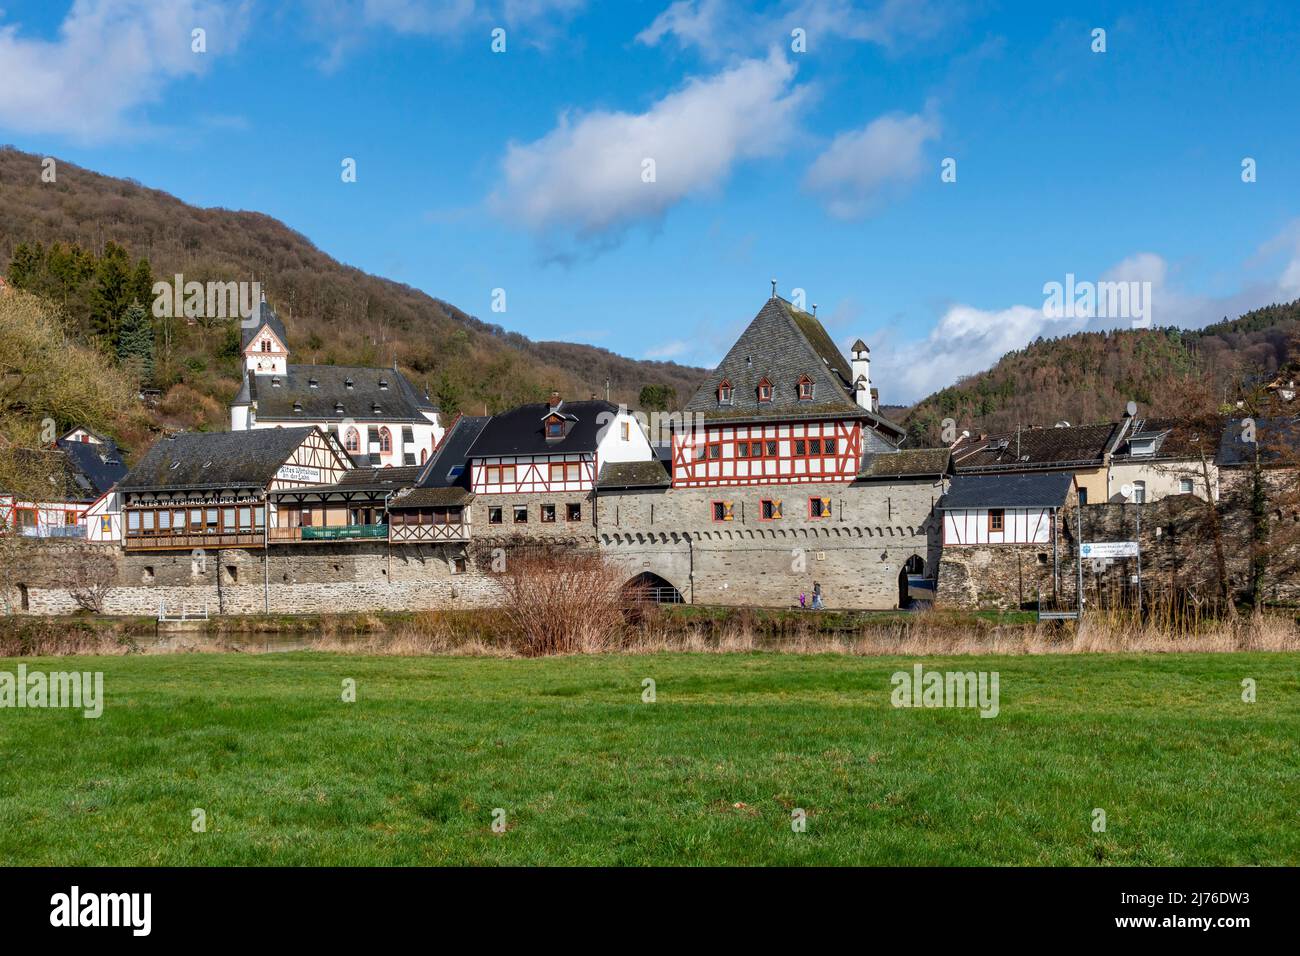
{"x": 288, "y": 773}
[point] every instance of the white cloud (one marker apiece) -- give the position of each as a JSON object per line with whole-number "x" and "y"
{"x": 722, "y": 28}
{"x": 861, "y": 165}
{"x": 675, "y": 348}
{"x": 585, "y": 177}
{"x": 110, "y": 58}
{"x": 968, "y": 339}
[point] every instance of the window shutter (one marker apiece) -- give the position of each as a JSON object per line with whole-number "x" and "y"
{"x": 826, "y": 507}
{"x": 726, "y": 509}
{"x": 776, "y": 508}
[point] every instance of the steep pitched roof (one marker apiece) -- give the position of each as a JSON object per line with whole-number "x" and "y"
{"x": 444, "y": 479}
{"x": 520, "y": 430}
{"x": 211, "y": 460}
{"x": 293, "y": 397}
{"x": 782, "y": 344}
{"x": 1036, "y": 448}
{"x": 262, "y": 315}
{"x": 1040, "y": 490}
{"x": 95, "y": 466}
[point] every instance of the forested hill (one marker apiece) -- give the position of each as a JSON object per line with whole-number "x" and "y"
{"x": 334, "y": 313}
{"x": 1090, "y": 376}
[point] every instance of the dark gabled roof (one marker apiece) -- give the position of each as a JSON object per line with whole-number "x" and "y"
{"x": 211, "y": 460}
{"x": 1276, "y": 439}
{"x": 262, "y": 315}
{"x": 94, "y": 467}
{"x": 909, "y": 463}
{"x": 634, "y": 474}
{"x": 1039, "y": 490}
{"x": 449, "y": 465}
{"x": 1174, "y": 439}
{"x": 399, "y": 401}
{"x": 520, "y": 430}
{"x": 782, "y": 344}
{"x": 1075, "y": 446}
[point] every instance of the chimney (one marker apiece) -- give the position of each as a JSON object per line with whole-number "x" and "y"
{"x": 555, "y": 398}
{"x": 861, "y": 375}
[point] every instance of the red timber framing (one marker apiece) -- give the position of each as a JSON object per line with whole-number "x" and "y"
{"x": 724, "y": 455}
{"x": 549, "y": 474}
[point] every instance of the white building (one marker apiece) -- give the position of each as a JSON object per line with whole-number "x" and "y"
{"x": 379, "y": 417}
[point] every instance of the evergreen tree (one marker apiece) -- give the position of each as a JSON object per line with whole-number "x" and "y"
{"x": 111, "y": 292}
{"x": 135, "y": 341}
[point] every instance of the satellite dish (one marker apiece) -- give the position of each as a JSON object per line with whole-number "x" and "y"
{"x": 1126, "y": 491}
{"x": 1132, "y": 409}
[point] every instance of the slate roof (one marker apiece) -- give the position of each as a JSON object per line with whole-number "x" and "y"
{"x": 213, "y": 460}
{"x": 444, "y": 479}
{"x": 94, "y": 468}
{"x": 908, "y": 463}
{"x": 520, "y": 432}
{"x": 400, "y": 401}
{"x": 1039, "y": 490}
{"x": 634, "y": 474}
{"x": 1050, "y": 448}
{"x": 783, "y": 344}
{"x": 262, "y": 315}
{"x": 1274, "y": 437}
{"x": 1175, "y": 439}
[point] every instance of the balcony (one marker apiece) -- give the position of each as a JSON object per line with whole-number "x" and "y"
{"x": 344, "y": 532}
{"x": 53, "y": 531}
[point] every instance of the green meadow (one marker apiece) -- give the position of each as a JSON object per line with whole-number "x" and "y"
{"x": 712, "y": 772}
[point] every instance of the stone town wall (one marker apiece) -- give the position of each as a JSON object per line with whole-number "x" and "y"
{"x": 300, "y": 578}
{"x": 857, "y": 554}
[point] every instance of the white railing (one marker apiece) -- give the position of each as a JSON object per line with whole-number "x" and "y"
{"x": 188, "y": 612}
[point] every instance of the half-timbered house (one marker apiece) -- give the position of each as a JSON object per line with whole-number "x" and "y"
{"x": 213, "y": 490}
{"x": 78, "y": 470}
{"x": 436, "y": 509}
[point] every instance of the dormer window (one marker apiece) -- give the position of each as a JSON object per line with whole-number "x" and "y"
{"x": 554, "y": 427}
{"x": 275, "y": 381}
{"x": 724, "y": 393}
{"x": 313, "y": 383}
{"x": 338, "y": 408}
{"x": 374, "y": 408}
{"x": 805, "y": 388}
{"x": 297, "y": 406}
{"x": 764, "y": 391}
{"x": 383, "y": 385}
{"x": 347, "y": 383}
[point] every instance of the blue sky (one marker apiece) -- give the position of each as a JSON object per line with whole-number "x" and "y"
{"x": 523, "y": 170}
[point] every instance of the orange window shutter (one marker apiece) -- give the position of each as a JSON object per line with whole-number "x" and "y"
{"x": 727, "y": 509}
{"x": 826, "y": 506}
{"x": 776, "y": 508}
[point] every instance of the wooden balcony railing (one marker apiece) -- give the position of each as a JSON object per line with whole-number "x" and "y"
{"x": 421, "y": 533}
{"x": 175, "y": 542}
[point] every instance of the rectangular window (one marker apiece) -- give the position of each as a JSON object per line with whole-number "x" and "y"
{"x": 196, "y": 520}
{"x": 715, "y": 450}
{"x": 800, "y": 447}
{"x": 573, "y": 511}
{"x": 722, "y": 511}
{"x": 771, "y": 448}
{"x": 742, "y": 449}
{"x": 458, "y": 565}
{"x": 997, "y": 519}
{"x": 828, "y": 446}
{"x": 814, "y": 446}
{"x": 819, "y": 507}
{"x": 521, "y": 514}
{"x": 557, "y": 471}
{"x": 623, "y": 431}
{"x": 507, "y": 474}
{"x": 164, "y": 521}
{"x": 573, "y": 471}
{"x": 245, "y": 519}
{"x": 133, "y": 521}
{"x": 305, "y": 517}
{"x": 494, "y": 515}
{"x": 148, "y": 517}
{"x": 548, "y": 514}
{"x": 769, "y": 509}
{"x": 259, "y": 517}
{"x": 1083, "y": 496}
{"x": 1184, "y": 487}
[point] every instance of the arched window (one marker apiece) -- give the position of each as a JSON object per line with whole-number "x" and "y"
{"x": 724, "y": 392}
{"x": 266, "y": 345}
{"x": 385, "y": 440}
{"x": 424, "y": 454}
{"x": 353, "y": 440}
{"x": 1139, "y": 492}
